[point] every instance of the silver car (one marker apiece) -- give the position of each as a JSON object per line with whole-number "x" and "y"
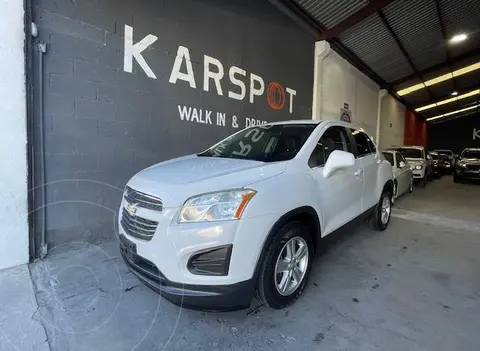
{"x": 402, "y": 173}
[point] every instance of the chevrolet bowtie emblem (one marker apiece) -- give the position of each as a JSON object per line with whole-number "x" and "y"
{"x": 131, "y": 209}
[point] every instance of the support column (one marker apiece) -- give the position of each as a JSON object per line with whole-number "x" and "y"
{"x": 13, "y": 137}
{"x": 381, "y": 94}
{"x": 322, "y": 49}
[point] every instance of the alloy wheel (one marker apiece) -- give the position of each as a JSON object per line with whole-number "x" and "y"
{"x": 291, "y": 266}
{"x": 386, "y": 209}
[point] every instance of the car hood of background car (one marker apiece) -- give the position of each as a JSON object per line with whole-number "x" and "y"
{"x": 414, "y": 160}
{"x": 470, "y": 161}
{"x": 176, "y": 180}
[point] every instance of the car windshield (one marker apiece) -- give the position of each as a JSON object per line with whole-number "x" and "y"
{"x": 434, "y": 156}
{"x": 267, "y": 143}
{"x": 410, "y": 152}
{"x": 471, "y": 154}
{"x": 445, "y": 152}
{"x": 389, "y": 157}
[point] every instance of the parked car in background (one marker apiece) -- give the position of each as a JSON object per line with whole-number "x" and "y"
{"x": 467, "y": 165}
{"x": 420, "y": 162}
{"x": 245, "y": 216}
{"x": 438, "y": 164}
{"x": 450, "y": 159}
{"x": 402, "y": 173}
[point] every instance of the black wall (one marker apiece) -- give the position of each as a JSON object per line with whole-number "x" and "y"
{"x": 456, "y": 134}
{"x": 103, "y": 124}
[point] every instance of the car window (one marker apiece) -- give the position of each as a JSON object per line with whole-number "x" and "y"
{"x": 389, "y": 157}
{"x": 266, "y": 143}
{"x": 364, "y": 145}
{"x": 334, "y": 138}
{"x": 398, "y": 158}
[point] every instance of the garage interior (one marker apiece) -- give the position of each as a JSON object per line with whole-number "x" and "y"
{"x": 409, "y": 72}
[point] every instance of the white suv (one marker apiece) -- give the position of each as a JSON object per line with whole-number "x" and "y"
{"x": 210, "y": 229}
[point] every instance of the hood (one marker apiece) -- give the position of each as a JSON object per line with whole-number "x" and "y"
{"x": 469, "y": 161}
{"x": 176, "y": 180}
{"x": 414, "y": 160}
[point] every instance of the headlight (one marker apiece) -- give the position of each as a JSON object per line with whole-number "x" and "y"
{"x": 462, "y": 165}
{"x": 418, "y": 167}
{"x": 218, "y": 206}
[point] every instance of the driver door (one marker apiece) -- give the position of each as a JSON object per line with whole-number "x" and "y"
{"x": 339, "y": 196}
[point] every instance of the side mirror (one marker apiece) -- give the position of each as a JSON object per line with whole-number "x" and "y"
{"x": 338, "y": 160}
{"x": 401, "y": 164}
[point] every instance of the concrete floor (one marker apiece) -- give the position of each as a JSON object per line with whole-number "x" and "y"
{"x": 413, "y": 287}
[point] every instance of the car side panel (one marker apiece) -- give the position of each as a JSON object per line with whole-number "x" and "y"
{"x": 370, "y": 166}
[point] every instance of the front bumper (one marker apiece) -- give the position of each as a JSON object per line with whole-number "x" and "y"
{"x": 168, "y": 253}
{"x": 466, "y": 173}
{"x": 418, "y": 173}
{"x": 205, "y": 297}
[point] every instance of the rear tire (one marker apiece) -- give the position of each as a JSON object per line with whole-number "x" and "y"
{"x": 277, "y": 267}
{"x": 381, "y": 216}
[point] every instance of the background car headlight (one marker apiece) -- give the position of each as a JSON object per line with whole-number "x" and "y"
{"x": 418, "y": 167}
{"x": 218, "y": 206}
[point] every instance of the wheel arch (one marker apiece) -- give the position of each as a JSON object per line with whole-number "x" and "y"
{"x": 389, "y": 186}
{"x": 306, "y": 214}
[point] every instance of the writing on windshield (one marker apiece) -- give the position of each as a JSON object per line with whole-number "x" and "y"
{"x": 266, "y": 143}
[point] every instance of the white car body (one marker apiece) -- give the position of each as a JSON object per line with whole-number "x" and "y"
{"x": 334, "y": 196}
{"x": 420, "y": 165}
{"x": 402, "y": 173}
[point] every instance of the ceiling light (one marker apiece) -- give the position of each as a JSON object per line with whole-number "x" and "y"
{"x": 458, "y": 38}
{"x": 446, "y": 101}
{"x": 454, "y": 93}
{"x": 439, "y": 79}
{"x": 453, "y": 112}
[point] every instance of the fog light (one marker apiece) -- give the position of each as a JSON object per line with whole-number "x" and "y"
{"x": 214, "y": 261}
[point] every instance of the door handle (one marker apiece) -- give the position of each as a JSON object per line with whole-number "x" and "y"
{"x": 358, "y": 172}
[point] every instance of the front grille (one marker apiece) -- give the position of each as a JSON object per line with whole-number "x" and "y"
{"x": 138, "y": 227}
{"x": 143, "y": 200}
{"x": 474, "y": 167}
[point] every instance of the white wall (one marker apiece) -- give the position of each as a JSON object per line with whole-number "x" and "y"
{"x": 338, "y": 82}
{"x": 392, "y": 125}
{"x": 13, "y": 137}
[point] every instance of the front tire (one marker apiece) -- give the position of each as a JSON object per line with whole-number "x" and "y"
{"x": 410, "y": 187}
{"x": 395, "y": 192}
{"x": 286, "y": 266}
{"x": 456, "y": 178}
{"x": 423, "y": 182}
{"x": 381, "y": 216}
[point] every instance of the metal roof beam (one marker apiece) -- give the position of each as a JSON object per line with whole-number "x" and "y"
{"x": 438, "y": 67}
{"x": 372, "y": 7}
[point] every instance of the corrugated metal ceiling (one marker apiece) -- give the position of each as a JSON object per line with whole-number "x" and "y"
{"x": 380, "y": 51}
{"x": 328, "y": 12}
{"x": 417, "y": 25}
